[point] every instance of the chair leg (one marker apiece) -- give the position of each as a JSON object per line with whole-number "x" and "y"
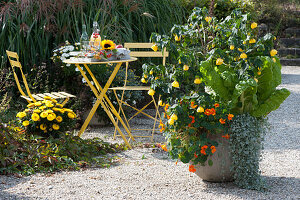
{"x": 65, "y": 101}
{"x": 120, "y": 110}
{"x": 156, "y": 114}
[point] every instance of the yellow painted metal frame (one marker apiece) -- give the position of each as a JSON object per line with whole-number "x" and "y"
{"x": 148, "y": 54}
{"x": 14, "y": 62}
{"x": 101, "y": 96}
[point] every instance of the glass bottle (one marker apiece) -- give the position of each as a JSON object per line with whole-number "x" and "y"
{"x": 95, "y": 40}
{"x": 84, "y": 39}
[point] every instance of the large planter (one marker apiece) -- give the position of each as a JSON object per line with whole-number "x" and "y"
{"x": 220, "y": 170}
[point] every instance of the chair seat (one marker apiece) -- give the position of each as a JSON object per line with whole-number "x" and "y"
{"x": 131, "y": 88}
{"x": 54, "y": 95}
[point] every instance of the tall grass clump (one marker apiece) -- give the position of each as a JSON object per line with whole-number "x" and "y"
{"x": 34, "y": 27}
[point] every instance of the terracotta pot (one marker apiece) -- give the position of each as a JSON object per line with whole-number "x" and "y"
{"x": 220, "y": 170}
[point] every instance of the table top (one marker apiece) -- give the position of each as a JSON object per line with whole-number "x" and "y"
{"x": 76, "y": 61}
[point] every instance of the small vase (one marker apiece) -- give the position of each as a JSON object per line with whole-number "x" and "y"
{"x": 220, "y": 170}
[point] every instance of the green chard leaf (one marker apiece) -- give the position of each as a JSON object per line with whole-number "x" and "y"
{"x": 214, "y": 80}
{"x": 272, "y": 103}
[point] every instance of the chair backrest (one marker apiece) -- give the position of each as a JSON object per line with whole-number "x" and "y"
{"x": 146, "y": 54}
{"x": 14, "y": 62}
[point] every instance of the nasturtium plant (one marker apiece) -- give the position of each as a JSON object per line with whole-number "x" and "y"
{"x": 211, "y": 62}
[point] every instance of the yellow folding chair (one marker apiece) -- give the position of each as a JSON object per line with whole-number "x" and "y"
{"x": 145, "y": 54}
{"x": 14, "y": 62}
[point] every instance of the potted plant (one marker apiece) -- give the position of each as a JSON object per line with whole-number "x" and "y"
{"x": 222, "y": 77}
{"x": 46, "y": 118}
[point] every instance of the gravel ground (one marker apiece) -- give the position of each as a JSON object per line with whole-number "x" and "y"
{"x": 146, "y": 173}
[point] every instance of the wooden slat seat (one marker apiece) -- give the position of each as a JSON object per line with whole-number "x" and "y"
{"x": 131, "y": 88}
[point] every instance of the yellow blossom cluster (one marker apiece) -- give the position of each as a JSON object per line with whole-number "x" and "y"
{"x": 45, "y": 116}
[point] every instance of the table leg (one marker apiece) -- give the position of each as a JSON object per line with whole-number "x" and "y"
{"x": 102, "y": 90}
{"x": 100, "y": 101}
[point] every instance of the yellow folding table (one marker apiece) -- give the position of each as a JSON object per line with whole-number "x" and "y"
{"x": 100, "y": 93}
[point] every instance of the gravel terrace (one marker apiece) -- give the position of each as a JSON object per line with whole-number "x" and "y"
{"x": 147, "y": 173}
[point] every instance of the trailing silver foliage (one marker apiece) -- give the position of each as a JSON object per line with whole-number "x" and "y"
{"x": 246, "y": 138}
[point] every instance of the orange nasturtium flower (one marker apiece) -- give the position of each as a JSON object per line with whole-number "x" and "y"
{"x": 193, "y": 105}
{"x": 193, "y": 119}
{"x": 222, "y": 121}
{"x": 166, "y": 107}
{"x": 164, "y": 147}
{"x": 192, "y": 168}
{"x": 226, "y": 136}
{"x": 213, "y": 149}
{"x": 207, "y": 112}
{"x": 230, "y": 116}
{"x": 213, "y": 111}
{"x": 203, "y": 149}
{"x": 162, "y": 126}
{"x": 217, "y": 105}
{"x": 195, "y": 155}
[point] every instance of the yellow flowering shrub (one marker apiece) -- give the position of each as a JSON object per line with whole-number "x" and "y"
{"x": 46, "y": 118}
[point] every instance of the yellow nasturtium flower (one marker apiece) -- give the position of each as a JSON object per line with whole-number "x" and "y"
{"x": 25, "y": 123}
{"x": 186, "y": 67}
{"x": 252, "y": 41}
{"x": 177, "y": 39}
{"x": 160, "y": 103}
{"x": 174, "y": 117}
{"x": 143, "y": 80}
{"x": 175, "y": 84}
{"x": 200, "y": 109}
{"x": 253, "y": 25}
{"x": 274, "y": 60}
{"x": 244, "y": 42}
{"x": 145, "y": 76}
{"x": 219, "y": 61}
{"x": 243, "y": 56}
{"x": 55, "y": 126}
{"x": 151, "y": 92}
{"x": 156, "y": 78}
{"x": 151, "y": 72}
{"x": 241, "y": 50}
{"x": 198, "y": 81}
{"x": 35, "y": 117}
{"x": 171, "y": 121}
{"x": 179, "y": 61}
{"x": 273, "y": 52}
{"x": 208, "y": 19}
{"x": 231, "y": 47}
{"x": 154, "y": 47}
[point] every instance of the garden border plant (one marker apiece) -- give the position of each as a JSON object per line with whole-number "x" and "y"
{"x": 223, "y": 62}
